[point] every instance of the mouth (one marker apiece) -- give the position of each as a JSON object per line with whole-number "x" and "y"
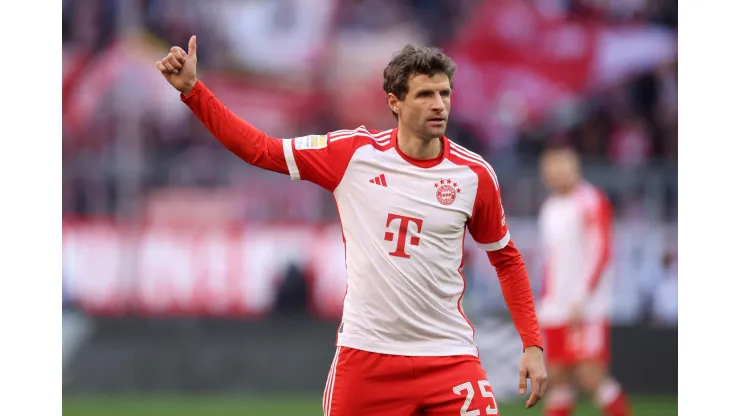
{"x": 437, "y": 121}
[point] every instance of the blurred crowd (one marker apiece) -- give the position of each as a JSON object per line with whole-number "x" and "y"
{"x": 600, "y": 75}
{"x": 294, "y": 67}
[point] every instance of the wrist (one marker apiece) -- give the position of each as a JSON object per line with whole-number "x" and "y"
{"x": 185, "y": 91}
{"x": 535, "y": 348}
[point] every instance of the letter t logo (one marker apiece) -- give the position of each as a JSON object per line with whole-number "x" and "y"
{"x": 403, "y": 231}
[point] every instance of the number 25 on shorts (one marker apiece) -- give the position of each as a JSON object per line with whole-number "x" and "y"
{"x": 470, "y": 393}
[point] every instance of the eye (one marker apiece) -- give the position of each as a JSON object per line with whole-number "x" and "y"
{"x": 445, "y": 93}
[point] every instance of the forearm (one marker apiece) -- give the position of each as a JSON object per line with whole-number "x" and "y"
{"x": 249, "y": 143}
{"x": 599, "y": 246}
{"x": 517, "y": 293}
{"x": 596, "y": 266}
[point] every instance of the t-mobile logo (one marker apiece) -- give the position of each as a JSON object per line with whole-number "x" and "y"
{"x": 403, "y": 231}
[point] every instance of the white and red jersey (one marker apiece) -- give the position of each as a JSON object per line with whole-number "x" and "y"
{"x": 403, "y": 223}
{"x": 575, "y": 231}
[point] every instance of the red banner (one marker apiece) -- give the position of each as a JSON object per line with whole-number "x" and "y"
{"x": 517, "y": 66}
{"x": 514, "y": 64}
{"x": 171, "y": 270}
{"x": 236, "y": 270}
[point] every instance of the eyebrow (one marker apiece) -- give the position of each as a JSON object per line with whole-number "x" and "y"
{"x": 427, "y": 90}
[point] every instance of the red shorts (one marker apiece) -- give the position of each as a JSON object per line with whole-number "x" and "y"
{"x": 566, "y": 345}
{"x": 368, "y": 383}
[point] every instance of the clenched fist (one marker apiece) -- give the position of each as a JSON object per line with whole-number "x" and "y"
{"x": 178, "y": 67}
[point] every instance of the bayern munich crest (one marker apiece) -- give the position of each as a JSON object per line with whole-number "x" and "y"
{"x": 447, "y": 191}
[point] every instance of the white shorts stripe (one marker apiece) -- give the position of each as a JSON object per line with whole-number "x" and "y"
{"x": 329, "y": 388}
{"x": 593, "y": 339}
{"x": 290, "y": 159}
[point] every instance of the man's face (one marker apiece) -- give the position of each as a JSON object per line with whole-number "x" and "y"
{"x": 426, "y": 107}
{"x": 560, "y": 171}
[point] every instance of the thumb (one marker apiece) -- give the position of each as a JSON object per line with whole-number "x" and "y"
{"x": 193, "y": 48}
{"x": 522, "y": 381}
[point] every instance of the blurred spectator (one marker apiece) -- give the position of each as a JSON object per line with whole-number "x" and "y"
{"x": 291, "y": 69}
{"x": 629, "y": 144}
{"x": 292, "y": 296}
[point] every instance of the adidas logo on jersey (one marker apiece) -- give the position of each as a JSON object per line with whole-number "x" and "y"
{"x": 379, "y": 180}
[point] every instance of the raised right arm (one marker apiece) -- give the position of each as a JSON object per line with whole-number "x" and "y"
{"x": 249, "y": 143}
{"x": 321, "y": 159}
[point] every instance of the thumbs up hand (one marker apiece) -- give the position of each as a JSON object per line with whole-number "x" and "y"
{"x": 178, "y": 67}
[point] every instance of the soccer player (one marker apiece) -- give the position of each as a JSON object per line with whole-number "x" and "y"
{"x": 575, "y": 227}
{"x": 405, "y": 197}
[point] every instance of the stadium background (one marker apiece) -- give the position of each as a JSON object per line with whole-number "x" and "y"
{"x": 196, "y": 284}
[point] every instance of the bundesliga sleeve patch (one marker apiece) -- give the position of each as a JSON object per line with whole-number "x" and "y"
{"x": 313, "y": 141}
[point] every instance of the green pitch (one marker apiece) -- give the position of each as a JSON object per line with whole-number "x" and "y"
{"x": 289, "y": 406}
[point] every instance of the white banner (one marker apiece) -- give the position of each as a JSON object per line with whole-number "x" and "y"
{"x": 238, "y": 270}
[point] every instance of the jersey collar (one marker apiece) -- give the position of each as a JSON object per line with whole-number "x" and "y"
{"x": 422, "y": 163}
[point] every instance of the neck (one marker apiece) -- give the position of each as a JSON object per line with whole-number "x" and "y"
{"x": 416, "y": 147}
{"x": 569, "y": 189}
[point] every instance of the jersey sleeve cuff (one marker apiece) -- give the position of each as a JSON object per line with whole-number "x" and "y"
{"x": 535, "y": 343}
{"x": 290, "y": 159}
{"x": 496, "y": 245}
{"x": 197, "y": 88}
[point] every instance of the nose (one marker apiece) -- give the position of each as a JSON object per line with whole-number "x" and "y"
{"x": 438, "y": 104}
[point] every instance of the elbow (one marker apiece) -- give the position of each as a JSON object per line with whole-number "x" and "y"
{"x": 508, "y": 263}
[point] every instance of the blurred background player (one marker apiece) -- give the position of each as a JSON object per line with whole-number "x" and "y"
{"x": 575, "y": 229}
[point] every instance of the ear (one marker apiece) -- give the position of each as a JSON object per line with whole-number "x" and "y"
{"x": 394, "y": 103}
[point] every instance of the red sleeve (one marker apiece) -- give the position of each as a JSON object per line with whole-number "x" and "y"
{"x": 487, "y": 223}
{"x": 598, "y": 232}
{"x": 323, "y": 159}
{"x": 487, "y": 226}
{"x": 250, "y": 144}
{"x": 517, "y": 292}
